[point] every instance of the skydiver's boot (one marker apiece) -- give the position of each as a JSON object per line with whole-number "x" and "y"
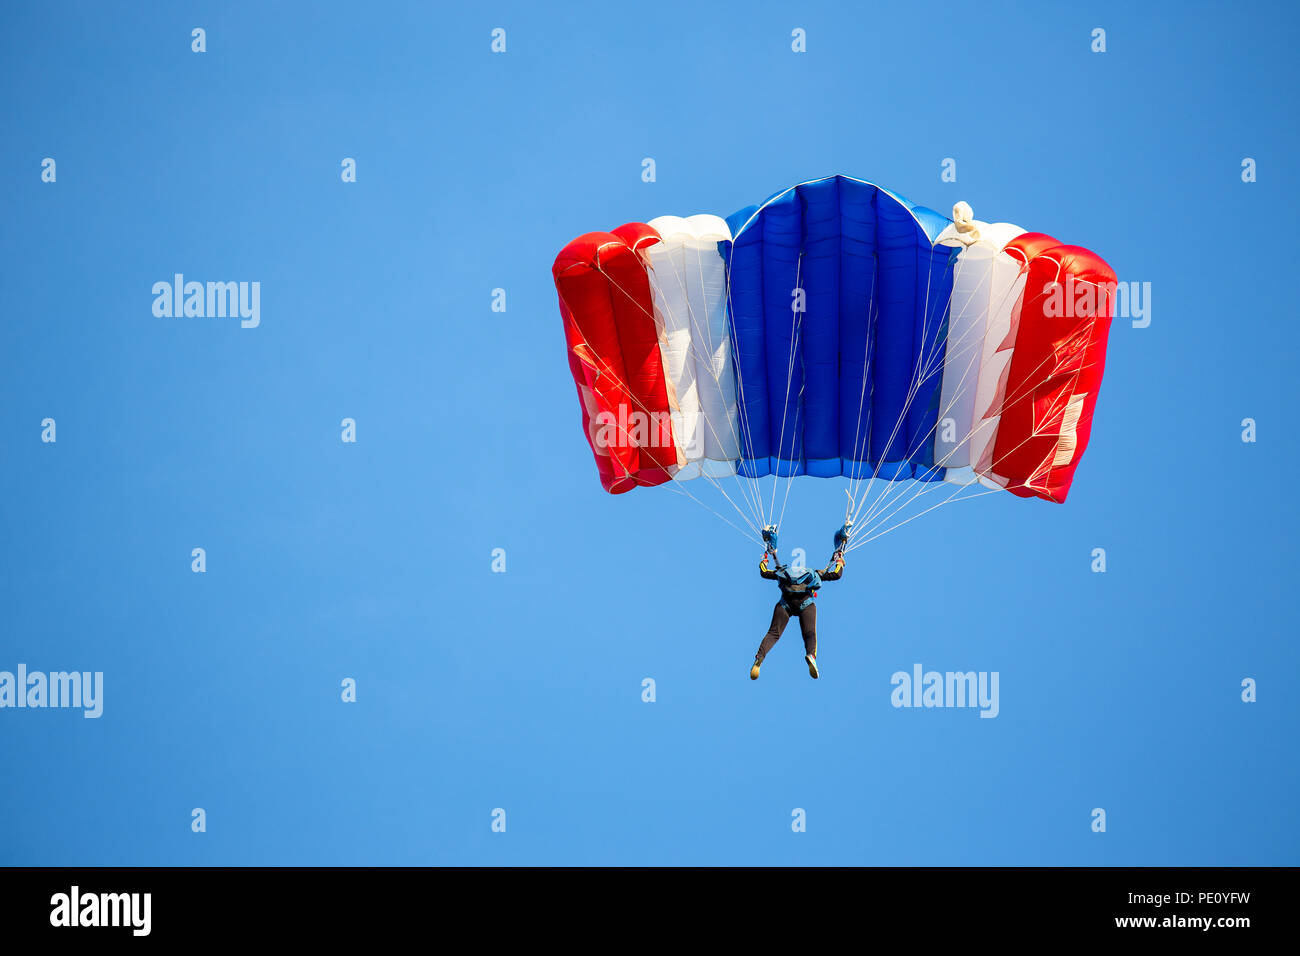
{"x": 753, "y": 671}
{"x": 812, "y": 665}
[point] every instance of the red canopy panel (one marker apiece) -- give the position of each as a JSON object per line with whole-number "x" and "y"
{"x": 613, "y": 345}
{"x": 1060, "y": 330}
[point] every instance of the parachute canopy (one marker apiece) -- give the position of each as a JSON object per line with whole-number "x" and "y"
{"x": 835, "y": 330}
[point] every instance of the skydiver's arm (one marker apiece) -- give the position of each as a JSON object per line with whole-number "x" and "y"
{"x": 762, "y": 568}
{"x": 835, "y": 570}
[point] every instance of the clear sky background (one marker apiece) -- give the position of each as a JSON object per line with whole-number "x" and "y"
{"x": 522, "y": 690}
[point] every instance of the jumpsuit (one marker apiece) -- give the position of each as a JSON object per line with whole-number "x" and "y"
{"x": 797, "y": 600}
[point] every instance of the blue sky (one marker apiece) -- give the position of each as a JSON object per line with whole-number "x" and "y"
{"x": 522, "y": 690}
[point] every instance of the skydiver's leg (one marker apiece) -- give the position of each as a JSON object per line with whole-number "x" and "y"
{"x": 808, "y": 625}
{"x": 780, "y": 618}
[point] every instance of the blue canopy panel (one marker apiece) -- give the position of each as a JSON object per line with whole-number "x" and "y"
{"x": 851, "y": 385}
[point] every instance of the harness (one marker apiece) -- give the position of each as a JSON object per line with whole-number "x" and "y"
{"x": 796, "y": 596}
{"x": 785, "y": 603}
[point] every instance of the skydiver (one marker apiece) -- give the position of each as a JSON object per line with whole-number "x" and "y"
{"x": 798, "y": 594}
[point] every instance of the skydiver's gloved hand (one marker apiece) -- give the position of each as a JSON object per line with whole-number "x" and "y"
{"x": 769, "y": 551}
{"x": 835, "y": 568}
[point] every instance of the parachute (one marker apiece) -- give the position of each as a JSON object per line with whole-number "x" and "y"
{"x": 835, "y": 330}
